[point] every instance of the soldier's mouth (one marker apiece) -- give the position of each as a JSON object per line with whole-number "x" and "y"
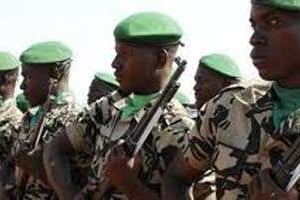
{"x": 257, "y": 56}
{"x": 118, "y": 77}
{"x": 196, "y": 93}
{"x": 259, "y": 62}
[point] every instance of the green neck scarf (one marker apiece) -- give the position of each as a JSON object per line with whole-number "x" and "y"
{"x": 135, "y": 103}
{"x": 60, "y": 98}
{"x": 287, "y": 102}
{"x": 35, "y": 115}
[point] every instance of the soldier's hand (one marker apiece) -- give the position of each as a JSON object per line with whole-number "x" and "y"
{"x": 262, "y": 187}
{"x": 24, "y": 156}
{"x": 31, "y": 162}
{"x": 121, "y": 170}
{"x": 21, "y": 155}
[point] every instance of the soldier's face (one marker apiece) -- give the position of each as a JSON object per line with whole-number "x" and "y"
{"x": 98, "y": 89}
{"x": 207, "y": 85}
{"x": 35, "y": 83}
{"x": 134, "y": 67}
{"x": 7, "y": 82}
{"x": 276, "y": 43}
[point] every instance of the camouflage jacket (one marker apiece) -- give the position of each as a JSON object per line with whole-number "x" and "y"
{"x": 100, "y": 127}
{"x": 10, "y": 121}
{"x": 205, "y": 186}
{"x": 237, "y": 137}
{"x": 61, "y": 113}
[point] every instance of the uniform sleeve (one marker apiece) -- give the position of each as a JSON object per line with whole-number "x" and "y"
{"x": 202, "y": 140}
{"x": 83, "y": 132}
{"x": 171, "y": 135}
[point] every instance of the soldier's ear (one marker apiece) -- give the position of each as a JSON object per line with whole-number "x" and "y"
{"x": 162, "y": 58}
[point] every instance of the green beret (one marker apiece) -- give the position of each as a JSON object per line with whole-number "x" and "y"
{"x": 222, "y": 64}
{"x": 106, "y": 78}
{"x": 280, "y": 4}
{"x": 148, "y": 28}
{"x": 8, "y": 61}
{"x": 182, "y": 98}
{"x": 46, "y": 52}
{"x": 22, "y": 103}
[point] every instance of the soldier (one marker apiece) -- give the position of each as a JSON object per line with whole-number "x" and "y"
{"x": 102, "y": 85}
{"x": 215, "y": 72}
{"x": 10, "y": 118}
{"x": 239, "y": 133}
{"x": 146, "y": 44}
{"x": 45, "y": 68}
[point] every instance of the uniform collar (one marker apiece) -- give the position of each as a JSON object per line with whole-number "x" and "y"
{"x": 33, "y": 110}
{"x": 34, "y": 114}
{"x": 286, "y": 102}
{"x": 262, "y": 99}
{"x": 256, "y": 94}
{"x": 131, "y": 106}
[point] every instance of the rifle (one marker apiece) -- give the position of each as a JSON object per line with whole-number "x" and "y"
{"x": 61, "y": 68}
{"x": 137, "y": 137}
{"x": 287, "y": 171}
{"x": 32, "y": 145}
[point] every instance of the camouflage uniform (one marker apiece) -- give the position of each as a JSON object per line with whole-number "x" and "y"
{"x": 61, "y": 113}
{"x": 205, "y": 186}
{"x": 236, "y": 136}
{"x": 10, "y": 123}
{"x": 101, "y": 126}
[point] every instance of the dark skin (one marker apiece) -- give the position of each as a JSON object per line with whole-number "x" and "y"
{"x": 35, "y": 84}
{"x": 133, "y": 78}
{"x": 8, "y": 81}
{"x": 98, "y": 89}
{"x": 56, "y": 161}
{"x": 139, "y": 70}
{"x": 179, "y": 177}
{"x": 208, "y": 84}
{"x": 36, "y": 87}
{"x": 263, "y": 187}
{"x": 276, "y": 43}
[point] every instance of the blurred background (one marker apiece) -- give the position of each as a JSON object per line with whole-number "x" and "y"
{"x": 87, "y": 27}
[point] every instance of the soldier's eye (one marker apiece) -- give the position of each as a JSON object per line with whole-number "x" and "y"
{"x": 273, "y": 21}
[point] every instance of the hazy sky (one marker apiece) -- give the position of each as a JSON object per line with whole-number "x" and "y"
{"x": 86, "y": 26}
